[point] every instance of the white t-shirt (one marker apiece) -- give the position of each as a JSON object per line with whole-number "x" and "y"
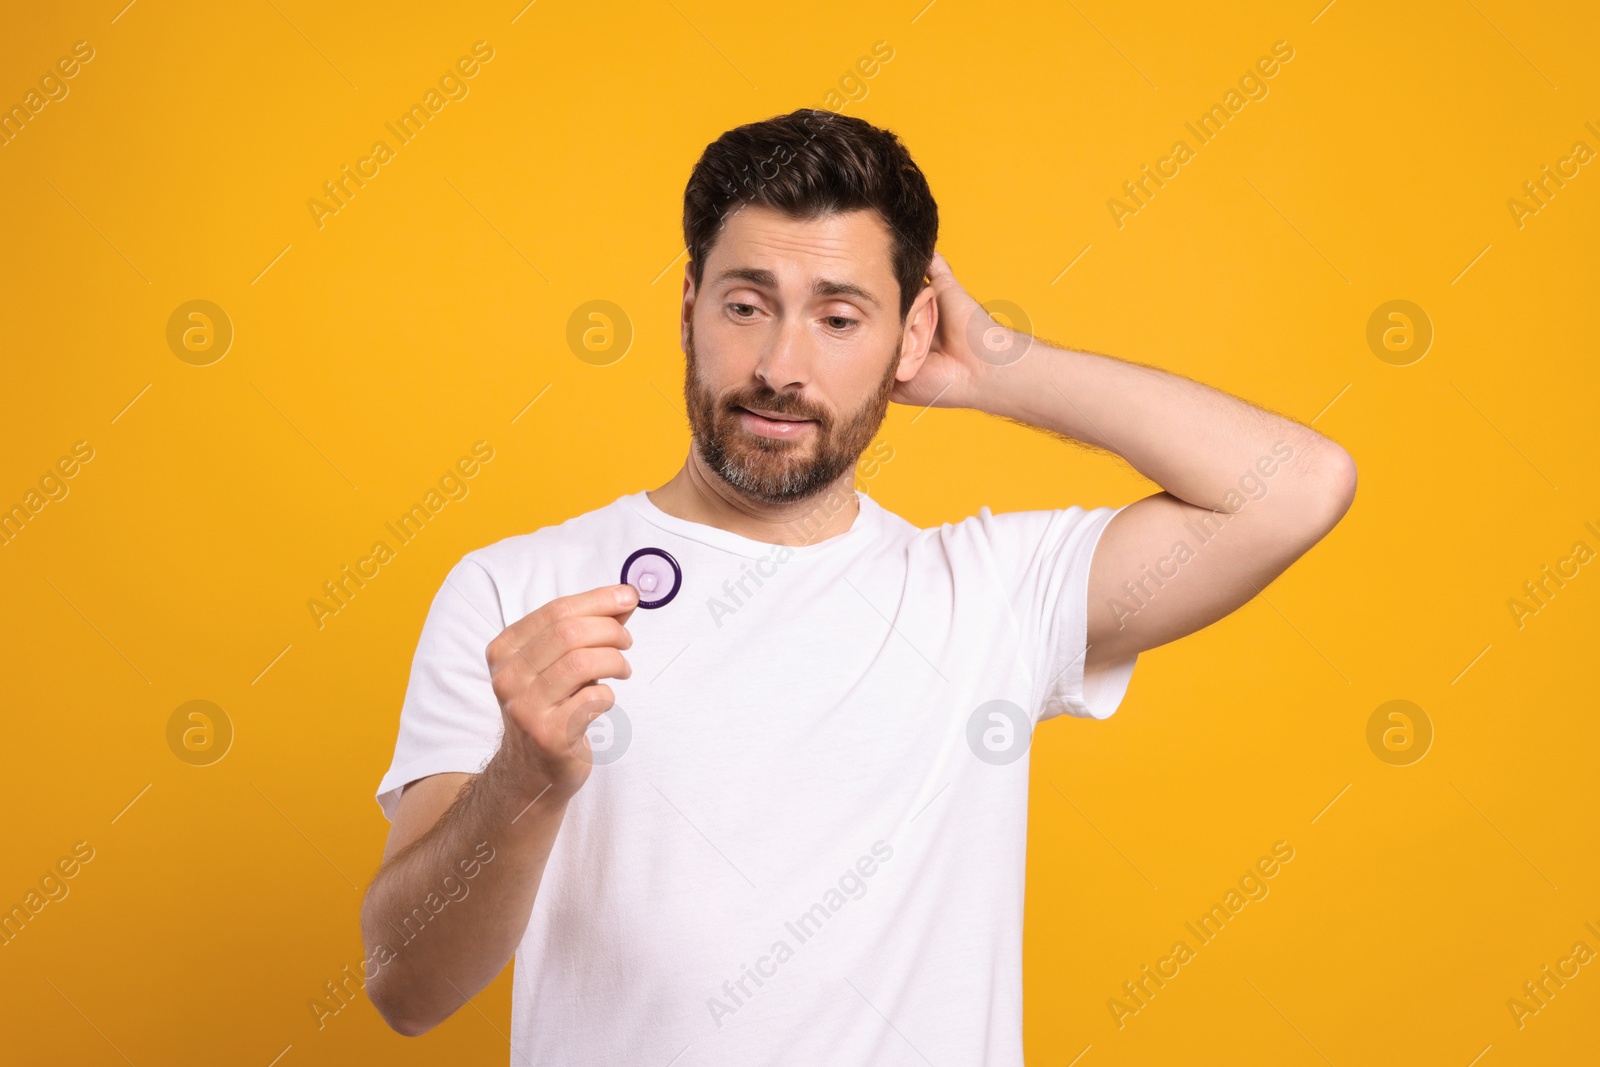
{"x": 803, "y": 840}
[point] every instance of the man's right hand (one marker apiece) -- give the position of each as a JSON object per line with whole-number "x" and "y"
{"x": 545, "y": 668}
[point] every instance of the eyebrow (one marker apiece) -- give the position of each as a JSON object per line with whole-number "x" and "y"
{"x": 766, "y": 279}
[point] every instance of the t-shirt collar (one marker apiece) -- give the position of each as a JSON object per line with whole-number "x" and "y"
{"x": 866, "y": 521}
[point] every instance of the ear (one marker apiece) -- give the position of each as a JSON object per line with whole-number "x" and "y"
{"x": 686, "y": 313}
{"x": 922, "y": 323}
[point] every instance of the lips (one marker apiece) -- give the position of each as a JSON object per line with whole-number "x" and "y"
{"x": 775, "y": 427}
{"x": 775, "y": 417}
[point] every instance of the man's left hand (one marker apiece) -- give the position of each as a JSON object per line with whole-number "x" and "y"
{"x": 967, "y": 347}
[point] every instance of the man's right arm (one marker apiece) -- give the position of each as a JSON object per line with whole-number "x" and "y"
{"x": 443, "y": 828}
{"x": 480, "y": 842}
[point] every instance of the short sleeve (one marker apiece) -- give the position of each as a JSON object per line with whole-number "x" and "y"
{"x": 450, "y": 719}
{"x": 1041, "y": 560}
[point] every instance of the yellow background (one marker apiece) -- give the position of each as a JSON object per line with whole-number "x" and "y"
{"x": 430, "y": 311}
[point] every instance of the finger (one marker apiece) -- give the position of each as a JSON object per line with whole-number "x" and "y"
{"x": 602, "y": 600}
{"x": 564, "y": 635}
{"x": 516, "y": 668}
{"x": 582, "y": 708}
{"x": 578, "y": 668}
{"x": 943, "y": 279}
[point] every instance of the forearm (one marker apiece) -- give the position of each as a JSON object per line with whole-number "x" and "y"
{"x": 1192, "y": 440}
{"x": 429, "y": 966}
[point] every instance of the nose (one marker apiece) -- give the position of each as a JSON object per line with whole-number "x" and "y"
{"x": 785, "y": 360}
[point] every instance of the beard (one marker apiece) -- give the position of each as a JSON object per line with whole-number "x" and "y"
{"x": 770, "y": 470}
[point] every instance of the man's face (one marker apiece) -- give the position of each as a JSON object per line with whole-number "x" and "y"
{"x": 799, "y": 341}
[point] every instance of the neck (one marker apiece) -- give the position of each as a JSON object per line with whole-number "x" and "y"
{"x": 700, "y": 495}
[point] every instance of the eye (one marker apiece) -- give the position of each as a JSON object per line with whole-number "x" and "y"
{"x": 747, "y": 307}
{"x": 840, "y": 322}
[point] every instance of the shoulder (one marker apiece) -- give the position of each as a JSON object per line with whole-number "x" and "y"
{"x": 514, "y": 557}
{"x": 984, "y": 526}
{"x": 1011, "y": 539}
{"x": 964, "y": 540}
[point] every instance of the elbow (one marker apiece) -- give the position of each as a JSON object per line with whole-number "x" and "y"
{"x": 405, "y": 1029}
{"x": 392, "y": 997}
{"x": 1335, "y": 486}
{"x": 394, "y": 1015}
{"x": 1317, "y": 494}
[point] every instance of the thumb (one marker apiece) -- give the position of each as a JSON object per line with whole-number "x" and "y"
{"x": 944, "y": 282}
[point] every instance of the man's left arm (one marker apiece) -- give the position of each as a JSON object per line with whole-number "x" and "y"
{"x": 1246, "y": 491}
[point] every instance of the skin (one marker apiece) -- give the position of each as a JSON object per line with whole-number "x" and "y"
{"x": 769, "y": 339}
{"x": 776, "y": 344}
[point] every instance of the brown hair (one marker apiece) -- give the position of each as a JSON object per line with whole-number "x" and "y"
{"x": 807, "y": 164}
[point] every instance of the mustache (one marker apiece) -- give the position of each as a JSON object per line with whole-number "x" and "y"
{"x": 778, "y": 404}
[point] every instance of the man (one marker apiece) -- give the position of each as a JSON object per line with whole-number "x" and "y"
{"x": 792, "y": 828}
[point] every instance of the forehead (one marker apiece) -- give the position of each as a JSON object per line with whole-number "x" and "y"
{"x": 847, "y": 246}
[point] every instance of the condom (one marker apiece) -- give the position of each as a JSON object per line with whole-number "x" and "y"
{"x": 655, "y": 574}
